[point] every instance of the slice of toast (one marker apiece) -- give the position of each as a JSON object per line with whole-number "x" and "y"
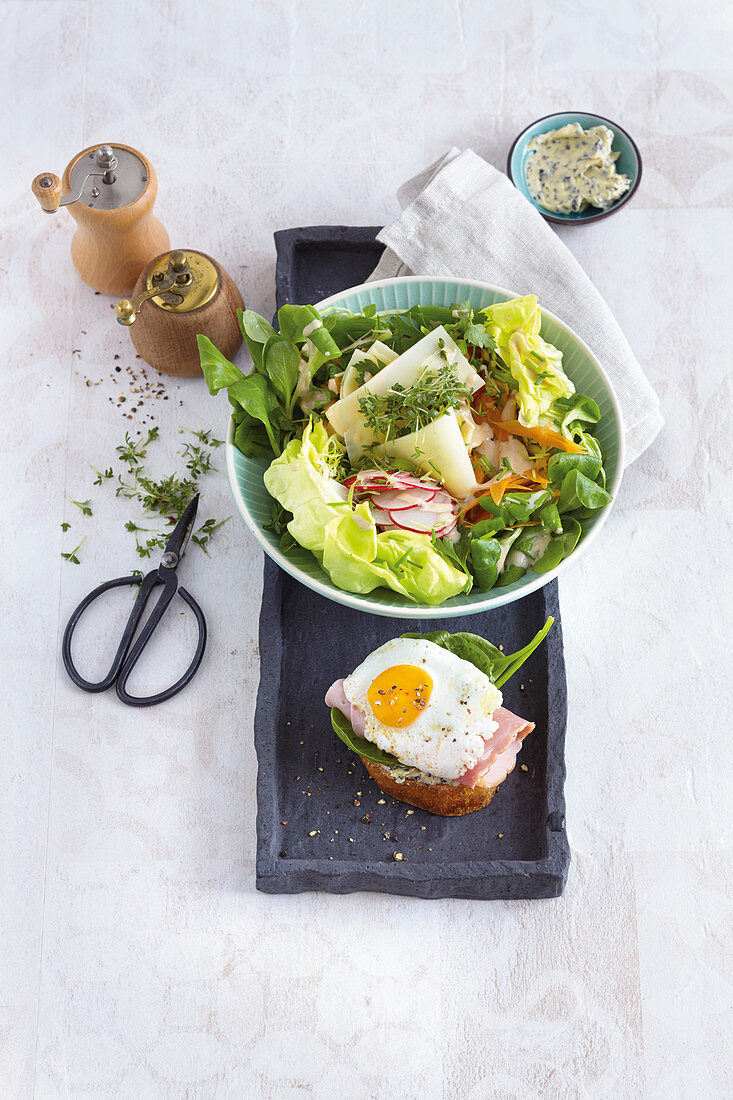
{"x": 445, "y": 799}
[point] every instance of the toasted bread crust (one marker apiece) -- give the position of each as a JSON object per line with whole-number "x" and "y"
{"x": 444, "y": 799}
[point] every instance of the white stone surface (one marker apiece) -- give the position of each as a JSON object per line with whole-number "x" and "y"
{"x": 137, "y": 958}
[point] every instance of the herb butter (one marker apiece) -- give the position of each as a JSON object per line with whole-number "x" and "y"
{"x": 570, "y": 169}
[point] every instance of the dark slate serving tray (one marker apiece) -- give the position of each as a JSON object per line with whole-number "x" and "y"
{"x": 322, "y": 823}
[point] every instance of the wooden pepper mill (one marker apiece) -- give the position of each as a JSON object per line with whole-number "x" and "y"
{"x": 110, "y": 191}
{"x": 183, "y": 293}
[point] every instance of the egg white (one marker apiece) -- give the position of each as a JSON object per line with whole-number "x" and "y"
{"x": 447, "y": 736}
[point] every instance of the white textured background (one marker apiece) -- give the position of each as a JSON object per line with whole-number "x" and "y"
{"x": 136, "y": 958}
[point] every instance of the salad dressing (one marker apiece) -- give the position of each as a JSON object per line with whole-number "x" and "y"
{"x": 570, "y": 169}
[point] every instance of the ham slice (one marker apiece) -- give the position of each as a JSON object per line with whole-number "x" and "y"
{"x": 499, "y": 750}
{"x": 336, "y": 697}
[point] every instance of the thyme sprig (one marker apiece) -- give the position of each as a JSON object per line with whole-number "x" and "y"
{"x": 132, "y": 453}
{"x": 206, "y": 530}
{"x": 162, "y": 497}
{"x": 72, "y": 554}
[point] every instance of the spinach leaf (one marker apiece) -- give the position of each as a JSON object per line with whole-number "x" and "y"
{"x": 593, "y": 447}
{"x": 487, "y": 527}
{"x": 295, "y": 321}
{"x": 218, "y": 371}
{"x": 485, "y": 554}
{"x": 343, "y": 729}
{"x": 347, "y": 327}
{"x": 552, "y": 556}
{"x": 510, "y": 574}
{"x": 498, "y": 666}
{"x": 571, "y": 533}
{"x": 512, "y": 662}
{"x": 287, "y": 322}
{"x": 254, "y": 326}
{"x": 578, "y": 491}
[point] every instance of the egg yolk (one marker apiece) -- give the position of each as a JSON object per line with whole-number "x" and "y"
{"x": 399, "y": 694}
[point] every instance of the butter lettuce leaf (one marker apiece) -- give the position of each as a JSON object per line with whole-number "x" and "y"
{"x": 302, "y": 481}
{"x": 535, "y": 365}
{"x": 346, "y": 542}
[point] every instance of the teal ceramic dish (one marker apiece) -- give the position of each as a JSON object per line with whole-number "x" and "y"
{"x": 255, "y": 504}
{"x": 628, "y": 163}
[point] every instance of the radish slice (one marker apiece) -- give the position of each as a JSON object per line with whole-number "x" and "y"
{"x": 442, "y": 502}
{"x": 439, "y": 532}
{"x": 420, "y": 519}
{"x": 380, "y": 517}
{"x": 406, "y": 498}
{"x": 419, "y": 483}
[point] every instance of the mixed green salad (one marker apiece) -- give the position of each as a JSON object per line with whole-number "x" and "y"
{"x": 425, "y": 451}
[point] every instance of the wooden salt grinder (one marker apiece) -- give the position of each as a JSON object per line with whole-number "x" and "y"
{"x": 110, "y": 191}
{"x": 184, "y": 293}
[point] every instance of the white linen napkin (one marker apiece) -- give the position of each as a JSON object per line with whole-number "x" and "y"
{"x": 463, "y": 219}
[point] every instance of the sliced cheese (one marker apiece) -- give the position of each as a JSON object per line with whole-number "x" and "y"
{"x": 438, "y": 450}
{"x": 406, "y": 368}
{"x": 377, "y": 355}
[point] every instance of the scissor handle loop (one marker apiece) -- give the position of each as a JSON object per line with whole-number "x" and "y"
{"x": 124, "y": 661}
{"x": 119, "y": 657}
{"x": 168, "y": 693}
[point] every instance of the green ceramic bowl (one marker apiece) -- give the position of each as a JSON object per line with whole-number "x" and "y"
{"x": 628, "y": 163}
{"x": 255, "y": 504}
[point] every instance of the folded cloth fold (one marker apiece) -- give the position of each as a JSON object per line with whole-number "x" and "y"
{"x": 464, "y": 220}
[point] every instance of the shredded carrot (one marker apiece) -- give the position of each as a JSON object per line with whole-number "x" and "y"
{"x": 497, "y": 490}
{"x": 527, "y": 482}
{"x": 546, "y": 437}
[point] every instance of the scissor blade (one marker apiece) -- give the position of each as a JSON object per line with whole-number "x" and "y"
{"x": 178, "y": 541}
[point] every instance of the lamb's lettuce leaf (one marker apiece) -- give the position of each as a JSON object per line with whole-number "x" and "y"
{"x": 578, "y": 491}
{"x": 485, "y": 554}
{"x": 570, "y": 413}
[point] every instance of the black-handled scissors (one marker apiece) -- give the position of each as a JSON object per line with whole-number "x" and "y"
{"x": 126, "y": 658}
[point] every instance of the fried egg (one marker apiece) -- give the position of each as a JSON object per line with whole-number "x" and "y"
{"x": 429, "y": 708}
